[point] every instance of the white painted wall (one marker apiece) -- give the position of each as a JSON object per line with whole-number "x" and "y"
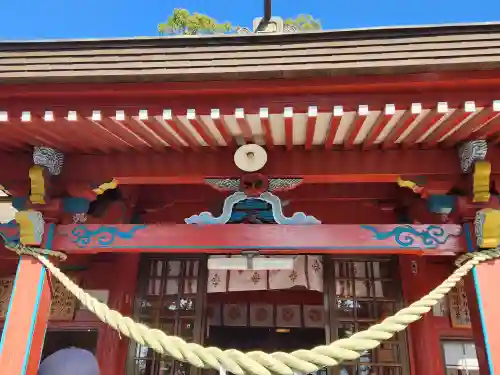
{"x": 7, "y": 212}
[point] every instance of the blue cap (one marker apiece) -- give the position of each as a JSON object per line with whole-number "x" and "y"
{"x": 72, "y": 361}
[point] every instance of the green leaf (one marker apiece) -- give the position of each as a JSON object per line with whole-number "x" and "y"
{"x": 183, "y": 22}
{"x": 304, "y": 22}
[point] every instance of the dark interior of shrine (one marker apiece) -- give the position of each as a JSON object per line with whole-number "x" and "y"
{"x": 267, "y": 339}
{"x": 273, "y": 337}
{"x": 62, "y": 339}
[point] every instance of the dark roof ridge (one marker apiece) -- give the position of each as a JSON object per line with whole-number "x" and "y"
{"x": 204, "y": 40}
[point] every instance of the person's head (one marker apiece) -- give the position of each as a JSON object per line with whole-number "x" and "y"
{"x": 72, "y": 361}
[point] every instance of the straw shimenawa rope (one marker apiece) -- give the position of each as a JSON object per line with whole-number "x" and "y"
{"x": 259, "y": 363}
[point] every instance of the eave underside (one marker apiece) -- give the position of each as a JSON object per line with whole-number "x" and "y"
{"x": 315, "y": 127}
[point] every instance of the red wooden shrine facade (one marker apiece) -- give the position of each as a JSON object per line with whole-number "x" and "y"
{"x": 382, "y": 175}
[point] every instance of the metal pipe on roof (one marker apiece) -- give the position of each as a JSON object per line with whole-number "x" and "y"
{"x": 267, "y": 10}
{"x": 267, "y": 15}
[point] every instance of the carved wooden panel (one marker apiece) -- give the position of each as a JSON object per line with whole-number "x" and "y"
{"x": 459, "y": 308}
{"x": 6, "y": 285}
{"x": 64, "y": 304}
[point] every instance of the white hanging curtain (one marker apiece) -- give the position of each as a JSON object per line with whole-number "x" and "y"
{"x": 265, "y": 315}
{"x": 307, "y": 272}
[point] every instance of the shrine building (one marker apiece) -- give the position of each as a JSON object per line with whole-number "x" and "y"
{"x": 269, "y": 191}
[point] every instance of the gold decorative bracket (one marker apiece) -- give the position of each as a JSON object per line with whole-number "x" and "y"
{"x": 38, "y": 188}
{"x": 487, "y": 228}
{"x": 413, "y": 186}
{"x": 31, "y": 227}
{"x": 113, "y": 184}
{"x": 472, "y": 156}
{"x": 481, "y": 181}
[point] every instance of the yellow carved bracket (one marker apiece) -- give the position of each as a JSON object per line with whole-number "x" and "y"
{"x": 487, "y": 227}
{"x": 31, "y": 227}
{"x": 417, "y": 189}
{"x": 113, "y": 184}
{"x": 38, "y": 188}
{"x": 481, "y": 181}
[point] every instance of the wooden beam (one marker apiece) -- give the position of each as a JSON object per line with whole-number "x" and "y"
{"x": 443, "y": 84}
{"x": 154, "y": 196}
{"x": 339, "y": 239}
{"x": 315, "y": 166}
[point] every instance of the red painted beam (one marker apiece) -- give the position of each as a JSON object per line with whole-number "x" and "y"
{"x": 339, "y": 239}
{"x": 400, "y": 127}
{"x": 315, "y": 166}
{"x": 465, "y": 131}
{"x": 154, "y": 195}
{"x": 243, "y": 124}
{"x": 200, "y": 128}
{"x": 488, "y": 129}
{"x": 96, "y": 131}
{"x": 437, "y": 81}
{"x": 158, "y": 128}
{"x": 310, "y": 127}
{"x": 223, "y": 129}
{"x": 377, "y": 128}
{"x": 356, "y": 125}
{"x": 458, "y": 116}
{"x": 136, "y": 126}
{"x": 423, "y": 127}
{"x": 288, "y": 119}
{"x": 332, "y": 131}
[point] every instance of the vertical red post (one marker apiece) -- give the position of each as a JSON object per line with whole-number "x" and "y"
{"x": 26, "y": 322}
{"x": 424, "y": 344}
{"x": 112, "y": 348}
{"x": 484, "y": 306}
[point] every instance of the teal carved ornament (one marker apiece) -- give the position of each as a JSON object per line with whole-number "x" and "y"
{"x": 421, "y": 236}
{"x": 102, "y": 236}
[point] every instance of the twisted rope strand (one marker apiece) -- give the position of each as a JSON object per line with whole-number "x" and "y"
{"x": 21, "y": 249}
{"x": 257, "y": 362}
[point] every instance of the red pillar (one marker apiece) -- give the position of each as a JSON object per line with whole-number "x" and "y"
{"x": 424, "y": 343}
{"x": 26, "y": 322}
{"x": 484, "y": 307}
{"x": 112, "y": 348}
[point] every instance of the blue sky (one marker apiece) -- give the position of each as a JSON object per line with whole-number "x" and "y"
{"x": 49, "y": 19}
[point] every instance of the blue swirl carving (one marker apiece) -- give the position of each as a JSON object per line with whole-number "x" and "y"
{"x": 298, "y": 218}
{"x": 206, "y": 217}
{"x": 405, "y": 235}
{"x": 105, "y": 235}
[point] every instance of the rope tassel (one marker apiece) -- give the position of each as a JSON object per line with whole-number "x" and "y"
{"x": 259, "y": 363}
